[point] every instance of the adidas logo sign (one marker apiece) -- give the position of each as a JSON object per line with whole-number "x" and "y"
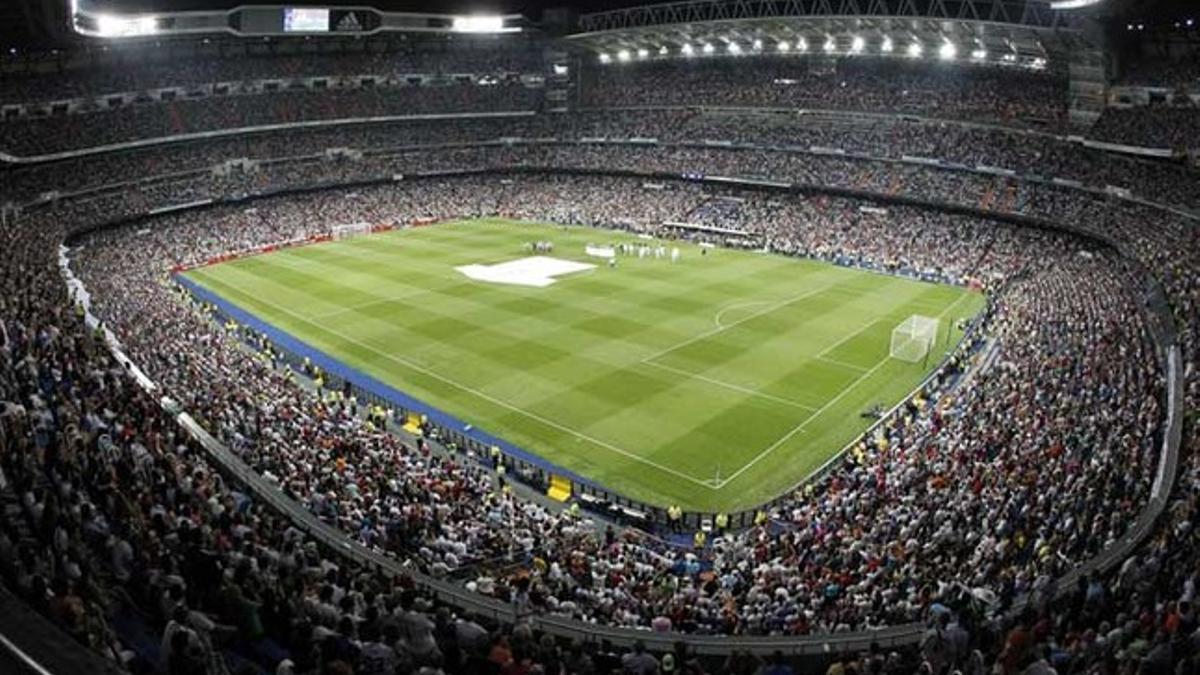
{"x": 349, "y": 22}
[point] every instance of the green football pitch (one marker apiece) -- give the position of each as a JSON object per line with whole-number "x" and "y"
{"x": 715, "y": 382}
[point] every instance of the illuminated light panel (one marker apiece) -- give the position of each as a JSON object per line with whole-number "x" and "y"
{"x": 110, "y": 25}
{"x": 1058, "y": 5}
{"x": 479, "y": 23}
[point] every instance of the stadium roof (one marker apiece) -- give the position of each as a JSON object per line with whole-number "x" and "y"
{"x": 1001, "y": 30}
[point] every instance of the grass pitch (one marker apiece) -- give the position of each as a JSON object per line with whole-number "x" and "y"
{"x": 714, "y": 383}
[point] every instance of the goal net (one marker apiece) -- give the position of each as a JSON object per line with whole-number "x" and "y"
{"x": 913, "y": 338}
{"x": 351, "y": 230}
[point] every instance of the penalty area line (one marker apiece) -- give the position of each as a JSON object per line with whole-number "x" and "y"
{"x": 754, "y": 315}
{"x": 732, "y": 387}
{"x": 800, "y": 427}
{"x": 470, "y": 390}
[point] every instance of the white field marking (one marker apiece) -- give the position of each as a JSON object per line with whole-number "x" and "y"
{"x": 800, "y": 427}
{"x": 475, "y": 392}
{"x": 305, "y": 265}
{"x": 761, "y": 394}
{"x": 841, "y": 364}
{"x": 736, "y": 305}
{"x": 748, "y": 317}
{"x": 822, "y": 356}
{"x": 371, "y": 303}
{"x": 734, "y": 387}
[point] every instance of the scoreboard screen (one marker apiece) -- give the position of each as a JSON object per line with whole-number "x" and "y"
{"x": 305, "y": 20}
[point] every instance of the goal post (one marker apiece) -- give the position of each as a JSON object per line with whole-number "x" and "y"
{"x": 914, "y": 338}
{"x": 350, "y": 230}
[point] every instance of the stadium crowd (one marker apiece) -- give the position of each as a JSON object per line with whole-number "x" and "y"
{"x": 41, "y": 135}
{"x": 388, "y": 149}
{"x": 1004, "y": 95}
{"x": 117, "y": 526}
{"x": 149, "y": 68}
{"x": 1155, "y": 71}
{"x": 827, "y": 582}
{"x": 864, "y": 84}
{"x": 1173, "y": 126}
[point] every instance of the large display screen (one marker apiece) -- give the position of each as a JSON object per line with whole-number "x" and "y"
{"x": 305, "y": 19}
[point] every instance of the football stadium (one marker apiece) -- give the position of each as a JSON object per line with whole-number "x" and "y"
{"x": 744, "y": 337}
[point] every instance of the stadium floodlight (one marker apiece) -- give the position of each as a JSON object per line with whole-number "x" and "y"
{"x": 623, "y": 55}
{"x": 708, "y": 48}
{"x": 605, "y": 58}
{"x": 857, "y": 44}
{"x": 686, "y": 50}
{"x": 887, "y": 45}
{"x": 111, "y": 25}
{"x": 478, "y": 23}
{"x": 643, "y": 53}
{"x": 915, "y": 49}
{"x": 734, "y": 48}
{"x": 830, "y": 44}
{"x": 947, "y": 51}
{"x": 783, "y": 46}
{"x": 1059, "y": 5}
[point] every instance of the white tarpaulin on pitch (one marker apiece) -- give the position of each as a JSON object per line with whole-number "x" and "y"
{"x": 600, "y": 251}
{"x": 538, "y": 271}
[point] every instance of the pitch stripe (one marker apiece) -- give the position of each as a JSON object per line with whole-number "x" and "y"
{"x": 840, "y": 364}
{"x": 835, "y": 399}
{"x": 467, "y": 389}
{"x": 349, "y": 309}
{"x": 734, "y": 387}
{"x": 720, "y": 329}
{"x": 800, "y": 427}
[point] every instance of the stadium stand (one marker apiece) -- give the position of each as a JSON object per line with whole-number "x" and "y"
{"x": 978, "y": 522}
